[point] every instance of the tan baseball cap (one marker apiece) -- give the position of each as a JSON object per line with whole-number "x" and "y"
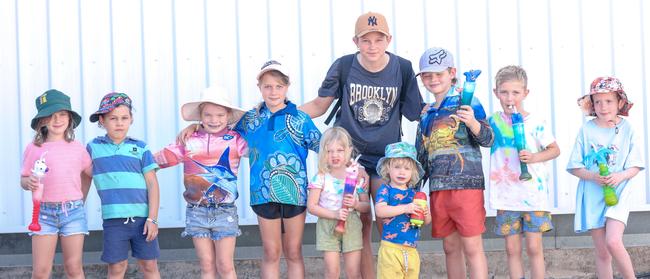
{"x": 371, "y": 22}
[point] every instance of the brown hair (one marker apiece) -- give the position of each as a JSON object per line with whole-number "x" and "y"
{"x": 510, "y": 73}
{"x": 41, "y": 130}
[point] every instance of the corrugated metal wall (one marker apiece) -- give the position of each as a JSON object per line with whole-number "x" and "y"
{"x": 164, "y": 52}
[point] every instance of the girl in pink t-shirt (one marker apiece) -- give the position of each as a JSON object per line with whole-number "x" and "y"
{"x": 64, "y": 185}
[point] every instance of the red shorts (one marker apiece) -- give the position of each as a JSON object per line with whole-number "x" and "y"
{"x": 457, "y": 210}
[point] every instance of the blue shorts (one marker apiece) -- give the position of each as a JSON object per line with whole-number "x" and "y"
{"x": 514, "y": 222}
{"x": 62, "y": 218}
{"x": 215, "y": 222}
{"x": 122, "y": 234}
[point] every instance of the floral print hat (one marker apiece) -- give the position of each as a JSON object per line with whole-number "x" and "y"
{"x": 605, "y": 85}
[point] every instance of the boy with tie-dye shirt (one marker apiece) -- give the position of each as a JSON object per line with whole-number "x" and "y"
{"x": 522, "y": 205}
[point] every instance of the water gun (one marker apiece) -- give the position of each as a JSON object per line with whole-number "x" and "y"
{"x": 39, "y": 170}
{"x": 601, "y": 159}
{"x": 520, "y": 141}
{"x": 352, "y": 172}
{"x": 417, "y": 219}
{"x": 466, "y": 97}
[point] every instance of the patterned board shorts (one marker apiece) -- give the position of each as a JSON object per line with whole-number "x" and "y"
{"x": 515, "y": 222}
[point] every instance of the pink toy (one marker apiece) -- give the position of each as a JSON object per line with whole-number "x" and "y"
{"x": 352, "y": 173}
{"x": 39, "y": 170}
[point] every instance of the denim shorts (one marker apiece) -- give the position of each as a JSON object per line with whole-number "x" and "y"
{"x": 215, "y": 222}
{"x": 122, "y": 234}
{"x": 62, "y": 218}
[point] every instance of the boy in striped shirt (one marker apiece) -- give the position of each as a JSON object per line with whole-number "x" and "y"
{"x": 125, "y": 178}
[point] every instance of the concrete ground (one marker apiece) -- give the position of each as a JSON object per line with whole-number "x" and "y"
{"x": 182, "y": 263}
{"x": 567, "y": 255}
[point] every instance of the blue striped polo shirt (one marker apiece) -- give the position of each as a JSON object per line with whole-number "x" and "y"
{"x": 118, "y": 174}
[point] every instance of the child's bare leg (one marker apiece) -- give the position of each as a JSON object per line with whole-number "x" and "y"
{"x": 535, "y": 251}
{"x": 292, "y": 245}
{"x": 117, "y": 270}
{"x": 513, "y": 250}
{"x": 272, "y": 244}
{"x": 332, "y": 264}
{"x": 205, "y": 253}
{"x": 72, "y": 247}
{"x": 614, "y": 240}
{"x": 351, "y": 261}
{"x": 149, "y": 268}
{"x": 225, "y": 253}
{"x": 43, "y": 248}
{"x": 367, "y": 259}
{"x": 473, "y": 249}
{"x": 454, "y": 259}
{"x": 603, "y": 258}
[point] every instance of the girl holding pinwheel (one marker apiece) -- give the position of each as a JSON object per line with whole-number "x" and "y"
{"x": 606, "y": 154}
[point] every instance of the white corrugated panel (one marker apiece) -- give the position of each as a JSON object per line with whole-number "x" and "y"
{"x": 164, "y": 52}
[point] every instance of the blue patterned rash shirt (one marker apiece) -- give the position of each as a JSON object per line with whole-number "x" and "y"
{"x": 278, "y": 146}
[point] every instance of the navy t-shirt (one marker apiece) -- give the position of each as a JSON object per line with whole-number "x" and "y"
{"x": 373, "y": 105}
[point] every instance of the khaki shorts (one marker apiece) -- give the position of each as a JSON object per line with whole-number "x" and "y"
{"x": 397, "y": 261}
{"x": 328, "y": 240}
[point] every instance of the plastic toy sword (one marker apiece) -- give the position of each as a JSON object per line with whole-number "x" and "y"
{"x": 520, "y": 141}
{"x": 39, "y": 170}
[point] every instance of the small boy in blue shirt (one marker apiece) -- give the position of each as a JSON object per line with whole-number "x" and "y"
{"x": 125, "y": 178}
{"x": 398, "y": 256}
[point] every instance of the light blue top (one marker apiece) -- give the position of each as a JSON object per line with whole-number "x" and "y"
{"x": 591, "y": 211}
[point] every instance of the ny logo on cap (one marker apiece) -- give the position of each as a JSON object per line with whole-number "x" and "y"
{"x": 436, "y": 58}
{"x": 372, "y": 20}
{"x": 43, "y": 99}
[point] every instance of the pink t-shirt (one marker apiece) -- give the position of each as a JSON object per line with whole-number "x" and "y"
{"x": 65, "y": 161}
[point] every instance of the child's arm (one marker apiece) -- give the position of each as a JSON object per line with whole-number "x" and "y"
{"x": 317, "y": 107}
{"x": 616, "y": 178}
{"x": 153, "y": 193}
{"x": 185, "y": 134}
{"x": 583, "y": 173}
{"x": 362, "y": 203}
{"x": 319, "y": 211}
{"x": 549, "y": 153}
{"x": 427, "y": 215}
{"x": 29, "y": 183}
{"x": 86, "y": 179}
{"x": 383, "y": 210}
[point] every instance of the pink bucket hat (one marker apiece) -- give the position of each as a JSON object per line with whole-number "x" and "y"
{"x": 604, "y": 85}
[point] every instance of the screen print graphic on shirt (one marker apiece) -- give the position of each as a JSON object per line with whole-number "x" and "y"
{"x": 372, "y": 104}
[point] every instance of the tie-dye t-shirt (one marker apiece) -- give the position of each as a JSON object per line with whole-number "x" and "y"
{"x": 619, "y": 148}
{"x": 278, "y": 145}
{"x": 507, "y": 192}
{"x": 398, "y": 229}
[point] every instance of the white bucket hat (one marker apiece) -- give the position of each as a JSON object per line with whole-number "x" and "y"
{"x": 216, "y": 95}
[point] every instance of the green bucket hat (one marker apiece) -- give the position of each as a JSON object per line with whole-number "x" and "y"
{"x": 52, "y": 101}
{"x": 401, "y": 150}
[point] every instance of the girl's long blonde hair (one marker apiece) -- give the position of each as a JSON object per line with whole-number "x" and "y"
{"x": 334, "y": 134}
{"x": 41, "y": 130}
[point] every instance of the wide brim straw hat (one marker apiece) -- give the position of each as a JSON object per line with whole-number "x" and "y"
{"x": 216, "y": 95}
